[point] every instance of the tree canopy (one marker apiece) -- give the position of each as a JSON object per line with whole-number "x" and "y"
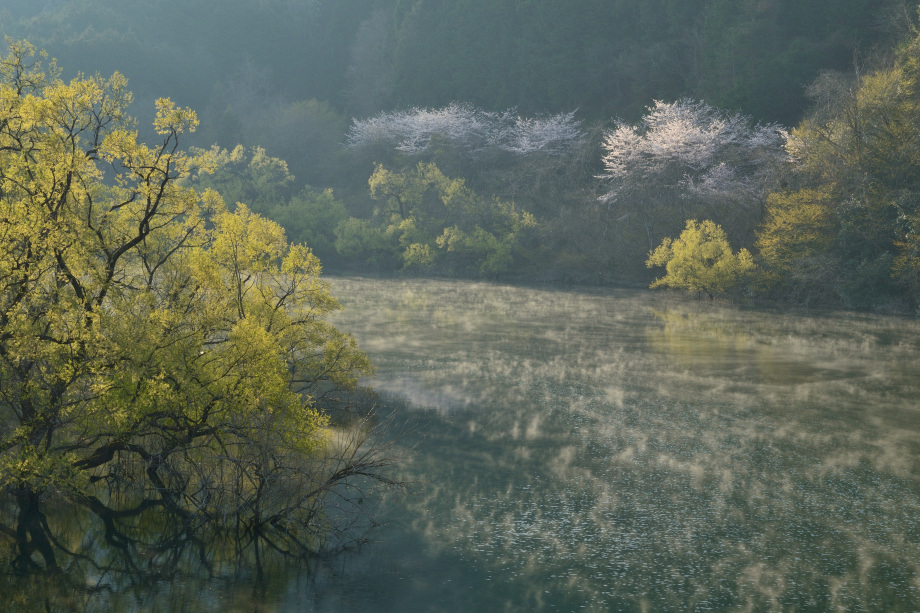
{"x": 687, "y": 160}
{"x": 612, "y": 122}
{"x": 846, "y": 226}
{"x": 700, "y": 260}
{"x": 604, "y": 57}
{"x": 427, "y": 218}
{"x": 157, "y": 350}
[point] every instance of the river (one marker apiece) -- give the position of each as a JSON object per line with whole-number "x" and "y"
{"x": 638, "y": 451}
{"x": 619, "y": 450}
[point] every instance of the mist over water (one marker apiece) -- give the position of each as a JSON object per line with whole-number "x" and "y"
{"x": 596, "y": 450}
{"x": 637, "y": 451}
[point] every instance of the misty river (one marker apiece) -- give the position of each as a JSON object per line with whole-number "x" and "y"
{"x": 616, "y": 450}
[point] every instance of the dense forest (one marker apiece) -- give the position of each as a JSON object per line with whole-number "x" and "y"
{"x": 545, "y": 140}
{"x": 606, "y": 58}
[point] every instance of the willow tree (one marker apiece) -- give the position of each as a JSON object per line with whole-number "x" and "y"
{"x": 157, "y": 351}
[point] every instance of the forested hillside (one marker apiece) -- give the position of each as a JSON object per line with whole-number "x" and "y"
{"x": 604, "y": 57}
{"x": 610, "y": 57}
{"x": 542, "y": 139}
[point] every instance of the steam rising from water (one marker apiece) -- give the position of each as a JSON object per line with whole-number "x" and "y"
{"x": 622, "y": 450}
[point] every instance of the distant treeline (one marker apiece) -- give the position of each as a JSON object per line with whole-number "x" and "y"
{"x": 545, "y": 139}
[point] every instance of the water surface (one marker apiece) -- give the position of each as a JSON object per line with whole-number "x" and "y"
{"x": 620, "y": 450}
{"x": 615, "y": 451}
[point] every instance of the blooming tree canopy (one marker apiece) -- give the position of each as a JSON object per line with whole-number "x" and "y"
{"x": 708, "y": 150}
{"x": 687, "y": 159}
{"x": 469, "y": 128}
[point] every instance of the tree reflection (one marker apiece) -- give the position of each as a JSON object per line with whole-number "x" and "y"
{"x": 129, "y": 546}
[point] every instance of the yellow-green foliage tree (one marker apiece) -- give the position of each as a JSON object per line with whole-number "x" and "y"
{"x": 158, "y": 352}
{"x": 794, "y": 239}
{"x": 426, "y": 217}
{"x": 700, "y": 260}
{"x": 845, "y": 229}
{"x": 251, "y": 176}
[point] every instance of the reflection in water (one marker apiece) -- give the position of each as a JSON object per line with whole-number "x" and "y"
{"x": 620, "y": 451}
{"x": 627, "y": 451}
{"x": 137, "y": 554}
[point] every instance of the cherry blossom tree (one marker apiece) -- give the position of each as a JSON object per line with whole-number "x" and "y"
{"x": 552, "y": 134}
{"x": 468, "y": 128}
{"x": 687, "y": 159}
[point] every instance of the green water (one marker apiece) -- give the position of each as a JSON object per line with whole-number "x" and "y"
{"x": 620, "y": 451}
{"x": 637, "y": 451}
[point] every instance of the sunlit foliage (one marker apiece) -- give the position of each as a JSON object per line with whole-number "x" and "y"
{"x": 266, "y": 185}
{"x": 427, "y": 219}
{"x": 700, "y": 260}
{"x": 847, "y": 229}
{"x": 793, "y": 241}
{"x": 157, "y": 350}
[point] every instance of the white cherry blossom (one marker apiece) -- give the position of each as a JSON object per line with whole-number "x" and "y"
{"x": 467, "y": 128}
